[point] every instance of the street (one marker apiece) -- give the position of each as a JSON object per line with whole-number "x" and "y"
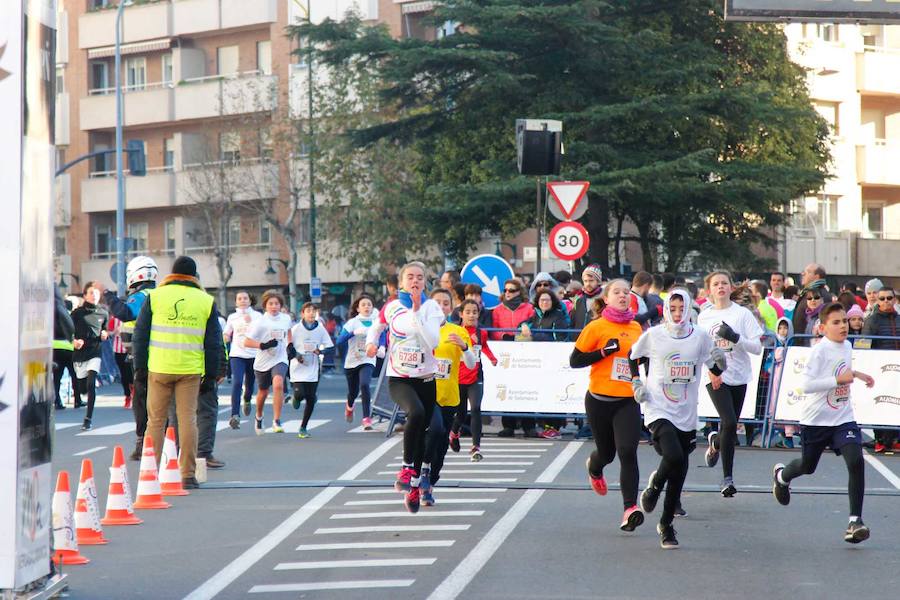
{"x": 318, "y": 518}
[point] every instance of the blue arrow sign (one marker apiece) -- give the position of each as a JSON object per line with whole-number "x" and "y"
{"x": 488, "y": 271}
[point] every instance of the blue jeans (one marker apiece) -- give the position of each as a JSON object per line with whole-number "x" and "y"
{"x": 242, "y": 376}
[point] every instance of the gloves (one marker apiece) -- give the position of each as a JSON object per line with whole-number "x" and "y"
{"x": 207, "y": 384}
{"x": 291, "y": 352}
{"x": 269, "y": 344}
{"x": 727, "y": 333}
{"x": 640, "y": 392}
{"x": 717, "y": 356}
{"x": 380, "y": 352}
{"x": 140, "y": 375}
{"x": 611, "y": 347}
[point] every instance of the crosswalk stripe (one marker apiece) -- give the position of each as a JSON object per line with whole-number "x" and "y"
{"x": 484, "y": 463}
{"x": 491, "y": 444}
{"x": 472, "y": 490}
{"x": 293, "y": 426}
{"x": 377, "y": 545}
{"x": 407, "y": 515}
{"x": 117, "y": 429}
{"x": 481, "y": 479}
{"x": 438, "y": 490}
{"x": 354, "y": 564}
{"x": 331, "y": 585}
{"x": 90, "y": 451}
{"x": 223, "y": 425}
{"x": 390, "y": 529}
{"x": 466, "y": 471}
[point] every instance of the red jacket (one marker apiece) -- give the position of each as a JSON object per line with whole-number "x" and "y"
{"x": 508, "y": 319}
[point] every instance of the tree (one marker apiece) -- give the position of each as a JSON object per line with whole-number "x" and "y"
{"x": 695, "y": 130}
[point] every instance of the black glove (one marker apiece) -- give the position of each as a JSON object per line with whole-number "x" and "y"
{"x": 292, "y": 352}
{"x": 140, "y": 375}
{"x": 207, "y": 384}
{"x": 727, "y": 333}
{"x": 269, "y": 344}
{"x": 611, "y": 347}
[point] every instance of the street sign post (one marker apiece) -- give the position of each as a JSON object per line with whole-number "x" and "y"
{"x": 315, "y": 290}
{"x": 569, "y": 240}
{"x": 568, "y": 199}
{"x": 488, "y": 271}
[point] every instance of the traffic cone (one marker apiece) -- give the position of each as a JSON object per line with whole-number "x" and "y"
{"x": 64, "y": 542}
{"x": 149, "y": 495}
{"x": 88, "y": 530}
{"x": 119, "y": 510}
{"x": 170, "y": 474}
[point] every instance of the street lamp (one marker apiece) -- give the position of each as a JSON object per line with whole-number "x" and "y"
{"x": 120, "y": 176}
{"x": 270, "y": 270}
{"x": 62, "y": 281}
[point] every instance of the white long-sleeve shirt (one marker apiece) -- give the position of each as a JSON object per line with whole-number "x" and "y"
{"x": 826, "y": 402}
{"x": 413, "y": 336}
{"x": 743, "y": 322}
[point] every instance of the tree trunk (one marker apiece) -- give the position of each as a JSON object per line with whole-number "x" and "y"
{"x": 646, "y": 245}
{"x": 598, "y": 230}
{"x": 620, "y": 220}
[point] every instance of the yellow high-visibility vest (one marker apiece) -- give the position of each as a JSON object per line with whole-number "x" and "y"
{"x": 177, "y": 330}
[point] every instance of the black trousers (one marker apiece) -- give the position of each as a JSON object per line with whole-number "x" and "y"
{"x": 674, "y": 446}
{"x": 126, "y": 373}
{"x": 62, "y": 361}
{"x": 139, "y": 407}
{"x": 417, "y": 398}
{"x": 728, "y": 400}
{"x": 616, "y": 427}
{"x": 437, "y": 439}
{"x": 306, "y": 390}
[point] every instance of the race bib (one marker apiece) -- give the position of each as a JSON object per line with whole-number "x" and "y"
{"x": 443, "y": 368}
{"x": 724, "y": 345}
{"x": 476, "y": 350}
{"x": 407, "y": 357}
{"x": 309, "y": 347}
{"x": 359, "y": 347}
{"x": 278, "y": 334}
{"x": 839, "y": 395}
{"x": 680, "y": 371}
{"x": 621, "y": 371}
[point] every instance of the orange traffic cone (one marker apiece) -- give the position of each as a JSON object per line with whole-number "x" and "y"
{"x": 170, "y": 474}
{"x": 88, "y": 530}
{"x": 149, "y": 495}
{"x": 64, "y": 542}
{"x": 119, "y": 510}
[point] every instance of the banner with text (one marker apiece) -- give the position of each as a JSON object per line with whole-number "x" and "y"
{"x": 705, "y": 407}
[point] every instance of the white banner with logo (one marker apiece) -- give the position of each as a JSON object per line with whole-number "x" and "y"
{"x": 705, "y": 407}
{"x": 879, "y": 405}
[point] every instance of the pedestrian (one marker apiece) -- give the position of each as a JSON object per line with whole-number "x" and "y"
{"x": 675, "y": 351}
{"x": 177, "y": 350}
{"x": 91, "y": 321}
{"x": 855, "y": 320}
{"x": 271, "y": 335}
{"x": 769, "y": 311}
{"x": 591, "y": 278}
{"x": 813, "y": 280}
{"x": 63, "y": 334}
{"x": 449, "y": 278}
{"x": 549, "y": 317}
{"x": 123, "y": 360}
{"x": 358, "y": 367}
{"x": 873, "y": 286}
{"x": 309, "y": 340}
{"x": 737, "y": 332}
{"x": 243, "y": 377}
{"x": 473, "y": 292}
{"x": 614, "y": 416}
{"x": 778, "y": 287}
{"x": 413, "y": 322}
{"x": 827, "y": 420}
{"x": 883, "y": 322}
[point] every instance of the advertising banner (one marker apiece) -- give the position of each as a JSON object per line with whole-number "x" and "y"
{"x": 705, "y": 407}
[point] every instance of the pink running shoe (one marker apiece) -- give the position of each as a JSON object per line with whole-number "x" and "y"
{"x": 411, "y": 501}
{"x": 348, "y": 413}
{"x": 454, "y": 441}
{"x": 550, "y": 434}
{"x": 402, "y": 484}
{"x": 632, "y": 518}
{"x": 597, "y": 483}
{"x": 367, "y": 423}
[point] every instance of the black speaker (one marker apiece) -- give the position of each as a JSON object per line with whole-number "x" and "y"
{"x": 538, "y": 146}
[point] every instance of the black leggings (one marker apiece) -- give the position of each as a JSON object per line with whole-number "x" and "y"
{"x": 417, "y": 398}
{"x": 89, "y": 385}
{"x": 307, "y": 390}
{"x": 856, "y": 469}
{"x": 674, "y": 446}
{"x": 616, "y": 427}
{"x": 125, "y": 373}
{"x": 437, "y": 442}
{"x": 62, "y": 361}
{"x": 474, "y": 392}
{"x": 728, "y": 400}
{"x": 359, "y": 382}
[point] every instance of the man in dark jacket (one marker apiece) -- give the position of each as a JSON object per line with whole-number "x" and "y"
{"x": 591, "y": 278}
{"x": 813, "y": 280}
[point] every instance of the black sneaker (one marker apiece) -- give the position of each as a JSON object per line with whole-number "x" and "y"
{"x": 667, "y": 539}
{"x": 506, "y": 432}
{"x": 650, "y": 495}
{"x": 856, "y": 532}
{"x": 680, "y": 512}
{"x": 86, "y": 426}
{"x": 59, "y": 406}
{"x": 712, "y": 455}
{"x": 295, "y": 402}
{"x": 728, "y": 489}
{"x": 781, "y": 492}
{"x": 190, "y": 483}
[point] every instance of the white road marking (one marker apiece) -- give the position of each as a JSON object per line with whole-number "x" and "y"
{"x": 61, "y": 426}
{"x": 472, "y": 490}
{"x": 117, "y": 429}
{"x": 488, "y": 444}
{"x": 376, "y": 428}
{"x": 524, "y": 453}
{"x": 90, "y": 451}
{"x": 406, "y": 515}
{"x": 332, "y": 585}
{"x": 377, "y": 545}
{"x": 221, "y": 580}
{"x": 481, "y": 479}
{"x": 293, "y": 426}
{"x": 354, "y": 564}
{"x": 881, "y": 468}
{"x": 439, "y": 490}
{"x": 482, "y": 463}
{"x": 390, "y": 529}
{"x": 467, "y": 472}
{"x": 472, "y": 564}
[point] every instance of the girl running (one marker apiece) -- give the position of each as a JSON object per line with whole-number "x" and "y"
{"x": 737, "y": 332}
{"x": 271, "y": 335}
{"x": 614, "y": 416}
{"x": 358, "y": 367}
{"x": 471, "y": 381}
{"x": 309, "y": 340}
{"x": 241, "y": 357}
{"x": 676, "y": 352}
{"x": 413, "y": 322}
{"x": 91, "y": 322}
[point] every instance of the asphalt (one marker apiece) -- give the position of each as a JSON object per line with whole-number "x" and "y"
{"x": 291, "y": 518}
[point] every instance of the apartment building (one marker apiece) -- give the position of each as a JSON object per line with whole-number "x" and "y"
{"x": 852, "y": 226}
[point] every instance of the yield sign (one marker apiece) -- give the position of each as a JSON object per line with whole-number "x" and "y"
{"x": 568, "y": 194}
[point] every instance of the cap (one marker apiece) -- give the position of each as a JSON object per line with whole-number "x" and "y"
{"x": 185, "y": 265}
{"x": 874, "y": 285}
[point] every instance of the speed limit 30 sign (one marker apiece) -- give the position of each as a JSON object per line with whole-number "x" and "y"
{"x": 569, "y": 240}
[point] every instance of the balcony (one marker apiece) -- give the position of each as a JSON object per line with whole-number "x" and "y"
{"x": 193, "y": 16}
{"x": 878, "y": 257}
{"x": 831, "y": 250}
{"x": 62, "y": 37}
{"x": 61, "y": 116}
{"x": 155, "y": 190}
{"x": 147, "y": 21}
{"x": 876, "y": 163}
{"x": 876, "y": 71}
{"x": 248, "y": 180}
{"x": 150, "y": 104}
{"x": 219, "y": 96}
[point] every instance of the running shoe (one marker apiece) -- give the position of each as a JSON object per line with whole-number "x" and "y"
{"x": 295, "y": 402}
{"x": 454, "y": 441}
{"x": 650, "y": 495}
{"x": 246, "y": 408}
{"x": 895, "y": 447}
{"x": 550, "y": 433}
{"x": 127, "y": 402}
{"x": 404, "y": 476}
{"x": 856, "y": 532}
{"x": 782, "y": 492}
{"x": 728, "y": 489}
{"x": 879, "y": 448}
{"x": 425, "y": 481}
{"x": 667, "y": 539}
{"x": 258, "y": 426}
{"x": 348, "y": 413}
{"x": 234, "y": 422}
{"x": 411, "y": 500}
{"x": 475, "y": 453}
{"x": 276, "y": 426}
{"x": 86, "y": 426}
{"x": 597, "y": 483}
{"x": 712, "y": 455}
{"x": 303, "y": 434}
{"x": 427, "y": 497}
{"x": 632, "y": 518}
{"x": 680, "y": 512}
{"x": 367, "y": 423}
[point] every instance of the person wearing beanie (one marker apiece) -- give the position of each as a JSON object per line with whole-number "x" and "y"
{"x": 591, "y": 278}
{"x": 873, "y": 286}
{"x": 855, "y": 316}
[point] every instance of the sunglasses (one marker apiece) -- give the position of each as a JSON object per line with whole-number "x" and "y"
{"x": 511, "y": 290}
{"x": 542, "y": 284}
{"x": 808, "y": 298}
{"x": 885, "y": 298}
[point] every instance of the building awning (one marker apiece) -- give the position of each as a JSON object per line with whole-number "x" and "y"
{"x": 418, "y": 7}
{"x": 135, "y": 48}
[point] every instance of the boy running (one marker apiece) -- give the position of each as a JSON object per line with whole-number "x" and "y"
{"x": 309, "y": 339}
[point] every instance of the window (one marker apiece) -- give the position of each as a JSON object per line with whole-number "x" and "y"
{"x": 103, "y": 163}
{"x": 227, "y": 60}
{"x": 827, "y": 213}
{"x": 167, "y": 70}
{"x": 873, "y": 220}
{"x": 59, "y": 243}
{"x": 137, "y": 234}
{"x": 265, "y": 232}
{"x": 827, "y": 32}
{"x": 830, "y": 111}
{"x": 60, "y": 157}
{"x": 103, "y": 240}
{"x": 233, "y": 235}
{"x": 265, "y": 144}
{"x": 60, "y": 80}
{"x": 135, "y": 73}
{"x": 169, "y": 154}
{"x": 99, "y": 76}
{"x": 230, "y": 146}
{"x": 97, "y": 4}
{"x": 264, "y": 57}
{"x": 170, "y": 237}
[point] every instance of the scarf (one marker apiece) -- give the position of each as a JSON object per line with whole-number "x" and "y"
{"x": 587, "y": 294}
{"x": 310, "y": 326}
{"x": 818, "y": 284}
{"x": 812, "y": 312}
{"x": 614, "y": 315}
{"x": 514, "y": 303}
{"x": 405, "y": 298}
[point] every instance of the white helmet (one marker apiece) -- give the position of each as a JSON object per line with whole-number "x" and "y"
{"x": 141, "y": 269}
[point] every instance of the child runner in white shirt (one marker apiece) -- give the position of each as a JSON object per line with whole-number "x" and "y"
{"x": 271, "y": 335}
{"x": 241, "y": 357}
{"x": 827, "y": 420}
{"x": 309, "y": 338}
{"x": 358, "y": 367}
{"x": 676, "y": 353}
